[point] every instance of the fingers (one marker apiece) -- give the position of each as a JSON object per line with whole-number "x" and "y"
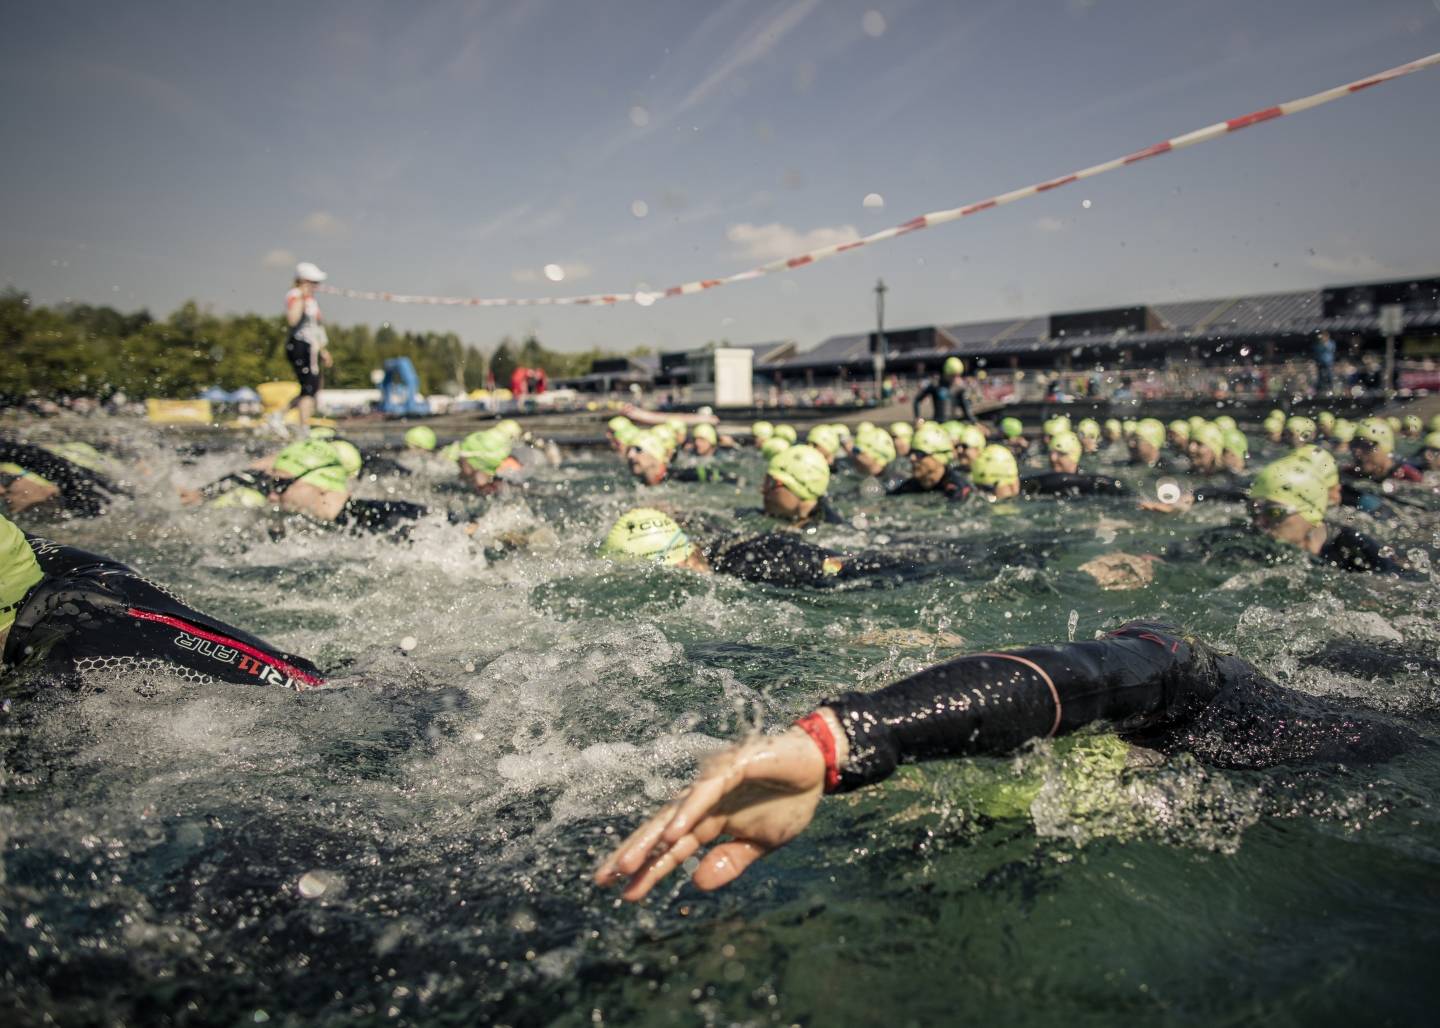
{"x": 630, "y": 854}
{"x": 725, "y": 863}
{"x": 658, "y": 866}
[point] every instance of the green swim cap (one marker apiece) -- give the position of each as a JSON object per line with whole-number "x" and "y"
{"x": 627, "y": 433}
{"x": 1232, "y": 440}
{"x": 824, "y": 437}
{"x": 647, "y": 534}
{"x": 970, "y": 437}
{"x": 653, "y": 443}
{"x": 485, "y": 451}
{"x": 801, "y": 469}
{"x": 510, "y": 428}
{"x": 901, "y": 430}
{"x": 1343, "y": 430}
{"x": 1394, "y": 422}
{"x": 349, "y": 454}
{"x": 1067, "y": 444}
{"x": 1150, "y": 430}
{"x": 1055, "y": 425}
{"x": 770, "y": 447}
{"x": 19, "y": 570}
{"x": 323, "y": 432}
{"x": 332, "y": 478}
{"x": 1325, "y": 420}
{"x": 1412, "y": 424}
{"x": 1323, "y": 463}
{"x": 1432, "y": 440}
{"x": 762, "y": 430}
{"x": 1377, "y": 432}
{"x": 1113, "y": 425}
{"x": 1434, "y": 423}
{"x": 676, "y": 428}
{"x": 843, "y": 431}
{"x": 616, "y": 423}
{"x": 876, "y": 444}
{"x": 1274, "y": 420}
{"x": 1293, "y": 484}
{"x": 1209, "y": 436}
{"x": 1225, "y": 422}
{"x": 995, "y": 466}
{"x": 1180, "y": 428}
{"x": 306, "y": 455}
{"x": 1088, "y": 428}
{"x": 1302, "y": 427}
{"x": 1127, "y": 426}
{"x": 421, "y": 437}
{"x": 451, "y": 452}
{"x": 244, "y": 497}
{"x": 864, "y": 426}
{"x": 1012, "y": 428}
{"x": 707, "y": 432}
{"x": 82, "y": 454}
{"x": 933, "y": 440}
{"x": 1194, "y": 421}
{"x": 788, "y": 433}
{"x": 953, "y": 429}
{"x": 953, "y": 366}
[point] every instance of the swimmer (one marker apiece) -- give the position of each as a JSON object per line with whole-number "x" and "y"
{"x": 788, "y": 433}
{"x": 1013, "y": 430}
{"x": 945, "y": 391}
{"x": 1146, "y": 444}
{"x": 932, "y": 468}
{"x": 1373, "y": 448}
{"x": 826, "y": 440}
{"x": 34, "y": 477}
{"x": 1169, "y": 691}
{"x": 1114, "y": 430}
{"x": 901, "y": 432}
{"x": 1089, "y": 432}
{"x": 1299, "y": 431}
{"x": 761, "y": 431}
{"x": 787, "y": 559}
{"x": 70, "y": 613}
{"x": 1411, "y": 427}
{"x": 1064, "y": 452}
{"x": 1430, "y": 454}
{"x": 968, "y": 441}
{"x": 1177, "y": 435}
{"x": 421, "y": 439}
{"x": 1235, "y": 450}
{"x": 649, "y": 455}
{"x": 1275, "y": 427}
{"x": 796, "y": 481}
{"x": 1206, "y": 448}
{"x": 874, "y": 452}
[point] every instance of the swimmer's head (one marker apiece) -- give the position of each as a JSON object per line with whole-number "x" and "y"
{"x": 953, "y": 366}
{"x": 1178, "y": 432}
{"x": 510, "y": 428}
{"x": 761, "y": 430}
{"x": 1233, "y": 442}
{"x": 874, "y": 450}
{"x": 647, "y": 534}
{"x": 803, "y": 470}
{"x": 1433, "y": 425}
{"x": 1288, "y": 487}
{"x": 1430, "y": 450}
{"x": 322, "y": 432}
{"x": 676, "y": 427}
{"x": 705, "y": 439}
{"x": 485, "y": 451}
{"x": 1299, "y": 430}
{"x": 1055, "y": 425}
{"x": 1012, "y": 428}
{"x": 1207, "y": 446}
{"x": 1343, "y": 430}
{"x": 825, "y": 439}
{"x": 969, "y": 441}
{"x": 1065, "y": 450}
{"x": 1226, "y": 422}
{"x": 1088, "y": 430}
{"x": 788, "y": 433}
{"x": 953, "y": 429}
{"x": 904, "y": 430}
{"x": 1326, "y": 420}
{"x": 1412, "y": 426}
{"x": 331, "y": 479}
{"x": 648, "y": 455}
{"x": 350, "y": 458}
{"x": 306, "y": 455}
{"x": 421, "y": 437}
{"x": 930, "y": 440}
{"x": 19, "y": 571}
{"x": 1114, "y": 430}
{"x": 1374, "y": 433}
{"x": 1325, "y": 467}
{"x": 773, "y": 445}
{"x": 996, "y": 470}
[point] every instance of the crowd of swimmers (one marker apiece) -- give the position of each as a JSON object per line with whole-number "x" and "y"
{"x": 69, "y": 613}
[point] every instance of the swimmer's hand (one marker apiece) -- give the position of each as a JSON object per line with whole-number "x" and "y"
{"x": 760, "y": 794}
{"x": 1184, "y": 503}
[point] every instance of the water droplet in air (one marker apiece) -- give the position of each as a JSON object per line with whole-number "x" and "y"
{"x": 873, "y": 200}
{"x": 554, "y": 272}
{"x": 409, "y": 643}
{"x": 873, "y": 23}
{"x": 639, "y": 116}
{"x": 639, "y": 208}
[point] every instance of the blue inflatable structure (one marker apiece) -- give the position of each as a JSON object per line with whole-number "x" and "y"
{"x": 400, "y": 390}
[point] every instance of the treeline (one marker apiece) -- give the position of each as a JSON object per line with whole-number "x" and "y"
{"x": 80, "y": 350}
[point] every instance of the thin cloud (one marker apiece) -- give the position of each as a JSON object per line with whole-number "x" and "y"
{"x": 278, "y": 258}
{"x": 773, "y": 241}
{"x": 1049, "y": 224}
{"x": 1352, "y": 265}
{"x": 324, "y": 224}
{"x": 746, "y": 52}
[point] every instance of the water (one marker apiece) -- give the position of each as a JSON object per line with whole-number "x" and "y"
{"x": 414, "y": 847}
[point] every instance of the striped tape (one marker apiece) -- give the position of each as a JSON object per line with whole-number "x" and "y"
{"x": 1204, "y": 135}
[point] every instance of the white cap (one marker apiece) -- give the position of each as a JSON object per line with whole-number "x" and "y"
{"x": 307, "y": 272}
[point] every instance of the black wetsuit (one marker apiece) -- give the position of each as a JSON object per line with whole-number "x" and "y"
{"x": 953, "y": 486}
{"x": 944, "y": 398}
{"x": 1060, "y": 483}
{"x": 1158, "y": 687}
{"x": 701, "y": 473}
{"x": 83, "y": 493}
{"x": 379, "y": 515}
{"x": 1345, "y": 548}
{"x": 91, "y": 616}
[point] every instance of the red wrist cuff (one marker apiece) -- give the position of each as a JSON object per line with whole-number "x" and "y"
{"x": 816, "y": 727}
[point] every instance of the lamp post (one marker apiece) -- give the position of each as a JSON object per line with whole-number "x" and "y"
{"x": 880, "y": 346}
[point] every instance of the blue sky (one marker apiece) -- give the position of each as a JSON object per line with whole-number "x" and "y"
{"x": 164, "y": 151}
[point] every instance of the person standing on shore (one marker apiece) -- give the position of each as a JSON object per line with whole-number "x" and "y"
{"x": 305, "y": 338}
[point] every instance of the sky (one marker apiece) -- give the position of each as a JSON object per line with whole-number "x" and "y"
{"x": 159, "y": 152}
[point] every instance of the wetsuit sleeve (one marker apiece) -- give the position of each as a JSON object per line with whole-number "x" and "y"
{"x": 962, "y": 396}
{"x": 81, "y": 491}
{"x": 1221, "y": 492}
{"x": 1407, "y": 472}
{"x": 956, "y": 487}
{"x": 702, "y": 473}
{"x": 91, "y": 615}
{"x": 775, "y": 558}
{"x": 1350, "y": 550}
{"x": 904, "y": 488}
{"x": 378, "y": 515}
{"x": 257, "y": 480}
{"x": 1058, "y": 483}
{"x": 991, "y": 703}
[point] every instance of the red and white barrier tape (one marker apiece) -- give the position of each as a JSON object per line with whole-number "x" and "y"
{"x": 930, "y": 220}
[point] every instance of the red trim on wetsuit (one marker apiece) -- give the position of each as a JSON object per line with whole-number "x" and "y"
{"x": 234, "y": 644}
{"x": 814, "y": 726}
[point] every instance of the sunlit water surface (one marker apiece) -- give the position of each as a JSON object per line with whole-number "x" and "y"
{"x": 414, "y": 845}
